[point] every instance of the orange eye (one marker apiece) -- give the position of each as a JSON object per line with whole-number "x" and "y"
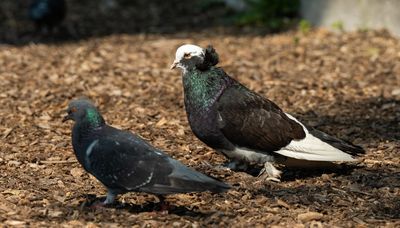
{"x": 187, "y": 55}
{"x": 74, "y": 109}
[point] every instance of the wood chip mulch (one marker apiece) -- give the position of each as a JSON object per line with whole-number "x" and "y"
{"x": 345, "y": 84}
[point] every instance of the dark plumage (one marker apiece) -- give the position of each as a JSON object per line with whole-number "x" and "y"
{"x": 124, "y": 162}
{"x": 244, "y": 126}
{"x": 210, "y": 59}
{"x": 47, "y": 13}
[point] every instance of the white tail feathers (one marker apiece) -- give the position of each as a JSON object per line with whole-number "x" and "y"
{"x": 313, "y": 149}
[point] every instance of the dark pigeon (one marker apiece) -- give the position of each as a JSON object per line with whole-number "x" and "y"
{"x": 124, "y": 162}
{"x": 47, "y": 13}
{"x": 244, "y": 126}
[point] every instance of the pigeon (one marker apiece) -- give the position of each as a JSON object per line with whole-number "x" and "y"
{"x": 124, "y": 162}
{"x": 243, "y": 125}
{"x": 47, "y": 13}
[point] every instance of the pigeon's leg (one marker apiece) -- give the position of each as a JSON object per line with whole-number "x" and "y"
{"x": 109, "y": 198}
{"x": 164, "y": 206}
{"x": 236, "y": 165}
{"x": 270, "y": 172}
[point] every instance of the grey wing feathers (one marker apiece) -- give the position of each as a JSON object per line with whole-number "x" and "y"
{"x": 120, "y": 166}
{"x": 129, "y": 163}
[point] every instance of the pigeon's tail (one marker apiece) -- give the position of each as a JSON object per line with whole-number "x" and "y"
{"x": 318, "y": 146}
{"x": 340, "y": 144}
{"x": 185, "y": 180}
{"x": 194, "y": 181}
{"x": 201, "y": 183}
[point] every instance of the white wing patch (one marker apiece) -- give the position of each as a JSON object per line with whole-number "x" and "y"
{"x": 312, "y": 148}
{"x": 89, "y": 151}
{"x": 90, "y": 147}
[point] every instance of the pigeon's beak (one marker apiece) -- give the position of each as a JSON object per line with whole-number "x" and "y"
{"x": 174, "y": 64}
{"x": 66, "y": 118}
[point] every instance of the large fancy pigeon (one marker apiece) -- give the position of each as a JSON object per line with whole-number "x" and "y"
{"x": 124, "y": 162}
{"x": 47, "y": 13}
{"x": 244, "y": 126}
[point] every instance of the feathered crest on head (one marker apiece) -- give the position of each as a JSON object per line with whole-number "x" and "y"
{"x": 210, "y": 59}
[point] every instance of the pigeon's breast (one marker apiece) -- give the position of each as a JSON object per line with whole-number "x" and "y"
{"x": 204, "y": 124}
{"x": 202, "y": 91}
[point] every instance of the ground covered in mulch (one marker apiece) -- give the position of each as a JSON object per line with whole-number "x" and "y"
{"x": 345, "y": 84}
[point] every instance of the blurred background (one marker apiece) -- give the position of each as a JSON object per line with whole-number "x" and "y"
{"x": 103, "y": 17}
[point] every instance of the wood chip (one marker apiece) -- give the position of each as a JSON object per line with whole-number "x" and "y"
{"x": 346, "y": 85}
{"x": 76, "y": 172}
{"x": 7, "y": 132}
{"x": 58, "y": 162}
{"x": 309, "y": 216}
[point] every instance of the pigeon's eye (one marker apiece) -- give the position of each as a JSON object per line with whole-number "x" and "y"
{"x": 187, "y": 55}
{"x": 72, "y": 110}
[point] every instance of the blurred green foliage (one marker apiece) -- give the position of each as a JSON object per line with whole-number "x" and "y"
{"x": 338, "y": 25}
{"x": 304, "y": 26}
{"x": 273, "y": 14}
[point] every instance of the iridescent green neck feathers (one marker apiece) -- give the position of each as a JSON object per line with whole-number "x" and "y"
{"x": 202, "y": 88}
{"x": 94, "y": 118}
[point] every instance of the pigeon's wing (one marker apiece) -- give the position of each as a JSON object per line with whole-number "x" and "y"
{"x": 125, "y": 161}
{"x": 251, "y": 121}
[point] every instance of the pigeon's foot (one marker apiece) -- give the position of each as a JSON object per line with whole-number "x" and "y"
{"x": 102, "y": 204}
{"x": 109, "y": 198}
{"x": 272, "y": 179}
{"x": 270, "y": 173}
{"x": 165, "y": 207}
{"x": 235, "y": 165}
{"x": 97, "y": 205}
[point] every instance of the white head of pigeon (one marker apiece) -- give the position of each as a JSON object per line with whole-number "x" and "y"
{"x": 188, "y": 56}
